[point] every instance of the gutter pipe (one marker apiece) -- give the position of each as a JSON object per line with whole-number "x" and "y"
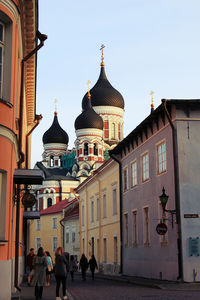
{"x": 177, "y": 192}
{"x": 121, "y": 207}
{"x": 42, "y": 38}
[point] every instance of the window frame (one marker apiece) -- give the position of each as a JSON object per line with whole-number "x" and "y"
{"x": 54, "y": 223}
{"x": 146, "y": 226}
{"x": 145, "y": 171}
{"x": 38, "y": 245}
{"x": 54, "y": 246}
{"x": 159, "y": 157}
{"x": 114, "y": 189}
{"x": 125, "y": 179}
{"x": 104, "y": 204}
{"x": 134, "y": 179}
{"x": 135, "y": 228}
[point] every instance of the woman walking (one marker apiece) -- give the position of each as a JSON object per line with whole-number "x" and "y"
{"x": 39, "y": 276}
{"x": 93, "y": 265}
{"x": 83, "y": 265}
{"x": 60, "y": 272}
{"x": 72, "y": 267}
{"x": 49, "y": 267}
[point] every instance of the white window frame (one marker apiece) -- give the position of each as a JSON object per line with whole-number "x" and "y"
{"x": 38, "y": 243}
{"x": 134, "y": 173}
{"x": 54, "y": 223}
{"x": 3, "y": 188}
{"x": 161, "y": 152}
{"x": 38, "y": 225}
{"x": 54, "y": 243}
{"x": 145, "y": 166}
{"x": 113, "y": 131}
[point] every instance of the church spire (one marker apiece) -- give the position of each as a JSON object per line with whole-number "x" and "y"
{"x": 55, "y": 102}
{"x": 152, "y": 104}
{"x": 102, "y": 58}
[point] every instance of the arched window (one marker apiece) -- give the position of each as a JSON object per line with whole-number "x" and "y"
{"x": 60, "y": 161}
{"x": 86, "y": 149}
{"x": 113, "y": 131}
{"x": 95, "y": 149}
{"x": 49, "y": 202}
{"x": 51, "y": 161}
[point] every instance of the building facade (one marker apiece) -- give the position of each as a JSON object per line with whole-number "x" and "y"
{"x": 99, "y": 217}
{"x": 160, "y": 152}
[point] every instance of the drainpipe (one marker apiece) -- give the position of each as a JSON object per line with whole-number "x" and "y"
{"x": 60, "y": 190}
{"x": 42, "y": 38}
{"x": 121, "y": 207}
{"x": 38, "y": 118}
{"x": 177, "y": 193}
{"x": 63, "y": 244}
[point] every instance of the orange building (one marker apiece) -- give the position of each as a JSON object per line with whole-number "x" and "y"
{"x": 19, "y": 43}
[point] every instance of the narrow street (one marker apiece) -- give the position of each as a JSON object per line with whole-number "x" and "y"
{"x": 109, "y": 290}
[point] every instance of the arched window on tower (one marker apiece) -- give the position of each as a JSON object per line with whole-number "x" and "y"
{"x": 95, "y": 149}
{"x": 86, "y": 149}
{"x": 60, "y": 161}
{"x": 113, "y": 131}
{"x": 51, "y": 161}
{"x": 106, "y": 129}
{"x": 49, "y": 202}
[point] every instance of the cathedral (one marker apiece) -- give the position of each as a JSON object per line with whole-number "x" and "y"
{"x": 99, "y": 128}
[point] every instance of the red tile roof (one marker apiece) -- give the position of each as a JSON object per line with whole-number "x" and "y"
{"x": 56, "y": 208}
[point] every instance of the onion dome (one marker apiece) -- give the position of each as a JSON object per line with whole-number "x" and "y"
{"x": 88, "y": 118}
{"x": 55, "y": 134}
{"x": 103, "y": 93}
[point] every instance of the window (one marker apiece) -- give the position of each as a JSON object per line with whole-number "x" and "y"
{"x": 5, "y": 56}
{"x": 3, "y": 187}
{"x": 146, "y": 226}
{"x": 125, "y": 179}
{"x": 51, "y": 161}
{"x": 106, "y": 129}
{"x": 126, "y": 229}
{"x": 115, "y": 250}
{"x": 145, "y": 167}
{"x": 97, "y": 200}
{"x": 105, "y": 249}
{"x": 60, "y": 161}
{"x": 95, "y": 149}
{"x": 37, "y": 243}
{"x": 73, "y": 234}
{"x": 161, "y": 158}
{"x": 114, "y": 192}
{"x": 67, "y": 235}
{"x": 54, "y": 223}
{"x": 104, "y": 205}
{"x": 54, "y": 243}
{"x": 134, "y": 174}
{"x": 38, "y": 228}
{"x": 113, "y": 131}
{"x": 49, "y": 202}
{"x": 134, "y": 228}
{"x": 92, "y": 210}
{"x": 82, "y": 215}
{"x": 86, "y": 149}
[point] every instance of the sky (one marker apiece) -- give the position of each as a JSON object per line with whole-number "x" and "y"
{"x": 149, "y": 45}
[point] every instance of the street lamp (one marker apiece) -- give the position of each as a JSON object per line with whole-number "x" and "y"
{"x": 163, "y": 200}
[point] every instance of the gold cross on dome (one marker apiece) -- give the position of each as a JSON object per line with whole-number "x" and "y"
{"x": 152, "y": 93}
{"x": 88, "y": 83}
{"x": 55, "y": 102}
{"x": 102, "y": 58}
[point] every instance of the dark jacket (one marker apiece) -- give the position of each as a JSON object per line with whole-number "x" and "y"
{"x": 61, "y": 266}
{"x": 84, "y": 263}
{"x": 39, "y": 275}
{"x": 92, "y": 264}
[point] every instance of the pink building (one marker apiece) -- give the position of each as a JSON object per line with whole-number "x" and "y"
{"x": 162, "y": 151}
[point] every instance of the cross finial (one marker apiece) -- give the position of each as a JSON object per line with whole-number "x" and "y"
{"x": 88, "y": 83}
{"x": 102, "y": 58}
{"x": 55, "y": 102}
{"x": 152, "y": 104}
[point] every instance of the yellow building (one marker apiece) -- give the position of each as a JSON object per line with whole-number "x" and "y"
{"x": 99, "y": 217}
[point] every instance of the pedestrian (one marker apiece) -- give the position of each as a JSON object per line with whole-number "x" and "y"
{"x": 49, "y": 269}
{"x": 39, "y": 275}
{"x": 93, "y": 265}
{"x": 72, "y": 267}
{"x": 29, "y": 265}
{"x": 83, "y": 265}
{"x": 61, "y": 266}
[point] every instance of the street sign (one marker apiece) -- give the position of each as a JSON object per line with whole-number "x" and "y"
{"x": 191, "y": 216}
{"x": 161, "y": 228}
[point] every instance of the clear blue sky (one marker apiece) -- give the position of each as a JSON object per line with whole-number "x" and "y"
{"x": 150, "y": 45}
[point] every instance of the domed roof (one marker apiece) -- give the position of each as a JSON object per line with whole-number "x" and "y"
{"x": 55, "y": 134}
{"x": 103, "y": 93}
{"x": 88, "y": 118}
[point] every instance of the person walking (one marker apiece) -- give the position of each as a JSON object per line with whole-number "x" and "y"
{"x": 72, "y": 267}
{"x": 61, "y": 266}
{"x": 29, "y": 265}
{"x": 39, "y": 275}
{"x": 83, "y": 265}
{"x": 93, "y": 265}
{"x": 49, "y": 269}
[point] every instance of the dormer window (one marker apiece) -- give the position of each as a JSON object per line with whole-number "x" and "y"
{"x": 49, "y": 202}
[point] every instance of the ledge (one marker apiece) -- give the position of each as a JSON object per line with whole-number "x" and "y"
{"x": 6, "y": 103}
{"x": 3, "y": 242}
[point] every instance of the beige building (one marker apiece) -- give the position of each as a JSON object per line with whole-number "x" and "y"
{"x": 99, "y": 217}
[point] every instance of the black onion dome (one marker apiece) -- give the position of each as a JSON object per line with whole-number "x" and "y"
{"x": 88, "y": 118}
{"x": 103, "y": 93}
{"x": 55, "y": 134}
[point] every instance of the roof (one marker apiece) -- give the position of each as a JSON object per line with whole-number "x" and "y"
{"x": 57, "y": 208}
{"x": 28, "y": 176}
{"x": 153, "y": 117}
{"x": 73, "y": 212}
{"x": 55, "y": 173}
